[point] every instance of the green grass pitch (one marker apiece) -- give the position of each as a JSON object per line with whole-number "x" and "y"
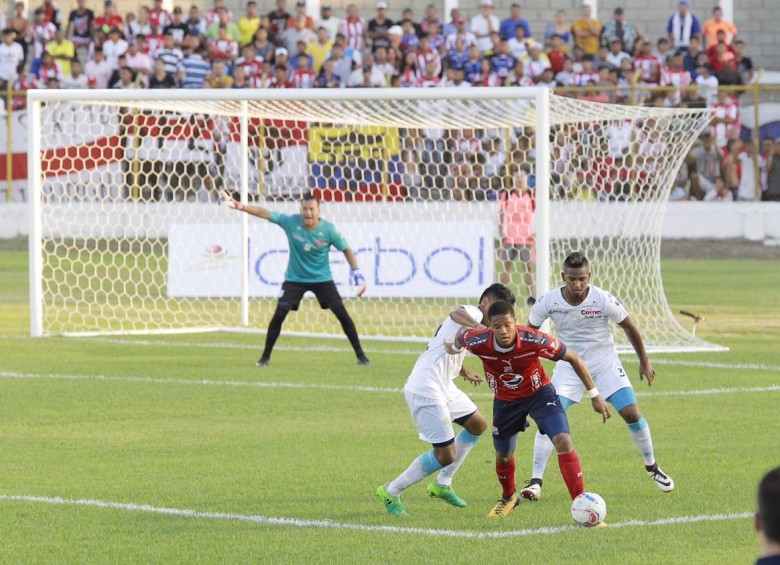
{"x": 176, "y": 449}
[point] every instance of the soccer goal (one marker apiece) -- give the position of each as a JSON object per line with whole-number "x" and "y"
{"x": 439, "y": 191}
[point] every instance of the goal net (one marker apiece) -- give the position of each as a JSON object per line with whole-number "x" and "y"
{"x": 439, "y": 192}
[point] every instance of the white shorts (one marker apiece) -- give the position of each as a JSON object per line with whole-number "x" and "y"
{"x": 609, "y": 378}
{"x": 433, "y": 417}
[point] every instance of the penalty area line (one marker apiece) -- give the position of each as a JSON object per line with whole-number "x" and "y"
{"x": 333, "y": 524}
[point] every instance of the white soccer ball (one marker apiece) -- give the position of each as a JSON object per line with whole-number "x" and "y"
{"x": 588, "y": 509}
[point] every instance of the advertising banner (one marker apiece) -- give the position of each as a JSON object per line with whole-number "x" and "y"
{"x": 454, "y": 259}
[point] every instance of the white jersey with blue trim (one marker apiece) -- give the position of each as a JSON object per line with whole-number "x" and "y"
{"x": 585, "y": 327}
{"x": 435, "y": 369}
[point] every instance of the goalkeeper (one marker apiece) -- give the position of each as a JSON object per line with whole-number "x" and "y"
{"x": 309, "y": 238}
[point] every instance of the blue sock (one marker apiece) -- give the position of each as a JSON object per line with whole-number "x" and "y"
{"x": 639, "y": 425}
{"x": 429, "y": 462}
{"x": 466, "y": 437}
{"x": 640, "y": 433}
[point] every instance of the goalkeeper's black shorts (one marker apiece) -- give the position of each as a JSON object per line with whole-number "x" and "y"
{"x": 326, "y": 292}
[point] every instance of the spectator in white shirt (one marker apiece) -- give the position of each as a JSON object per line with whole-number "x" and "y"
{"x": 98, "y": 69}
{"x": 113, "y": 47}
{"x": 746, "y": 192}
{"x": 720, "y": 194}
{"x": 76, "y": 78}
{"x": 518, "y": 44}
{"x": 11, "y": 56}
{"x": 140, "y": 62}
{"x": 483, "y": 24}
{"x": 616, "y": 55}
{"x": 707, "y": 84}
{"x": 328, "y": 21}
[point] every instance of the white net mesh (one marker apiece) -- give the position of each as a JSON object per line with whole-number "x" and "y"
{"x": 436, "y": 196}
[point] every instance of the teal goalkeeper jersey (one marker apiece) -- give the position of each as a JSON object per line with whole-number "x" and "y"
{"x": 308, "y": 261}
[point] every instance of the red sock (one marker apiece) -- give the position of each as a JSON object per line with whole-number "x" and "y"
{"x": 569, "y": 464}
{"x": 506, "y": 476}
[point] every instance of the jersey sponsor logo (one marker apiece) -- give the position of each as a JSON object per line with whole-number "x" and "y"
{"x": 591, "y": 313}
{"x": 476, "y": 339}
{"x": 551, "y": 312}
{"x": 319, "y": 242}
{"x": 536, "y": 383}
{"x": 529, "y": 337}
{"x": 511, "y": 381}
{"x": 529, "y": 354}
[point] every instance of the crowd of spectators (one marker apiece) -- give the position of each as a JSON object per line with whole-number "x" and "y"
{"x": 287, "y": 48}
{"x": 282, "y": 49}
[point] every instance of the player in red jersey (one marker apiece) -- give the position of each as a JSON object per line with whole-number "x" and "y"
{"x": 510, "y": 358}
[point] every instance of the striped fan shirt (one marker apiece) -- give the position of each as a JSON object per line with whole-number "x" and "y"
{"x": 354, "y": 32}
{"x": 195, "y": 71}
{"x": 171, "y": 58}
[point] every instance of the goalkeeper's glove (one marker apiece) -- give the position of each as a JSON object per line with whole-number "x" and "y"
{"x": 226, "y": 200}
{"x": 358, "y": 281}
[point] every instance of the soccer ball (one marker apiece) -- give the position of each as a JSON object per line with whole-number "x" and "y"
{"x": 588, "y": 509}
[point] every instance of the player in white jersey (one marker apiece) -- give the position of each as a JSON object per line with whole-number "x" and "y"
{"x": 581, "y": 313}
{"x": 435, "y": 402}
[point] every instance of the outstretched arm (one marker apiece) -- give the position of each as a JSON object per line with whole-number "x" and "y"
{"x": 645, "y": 368}
{"x": 461, "y": 317}
{"x": 227, "y": 200}
{"x": 582, "y": 372}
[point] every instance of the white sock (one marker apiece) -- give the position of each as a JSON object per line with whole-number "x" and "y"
{"x": 640, "y": 433}
{"x": 464, "y": 441}
{"x": 543, "y": 447}
{"x": 420, "y": 468}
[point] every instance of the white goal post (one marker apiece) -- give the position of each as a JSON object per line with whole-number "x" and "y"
{"x": 439, "y": 191}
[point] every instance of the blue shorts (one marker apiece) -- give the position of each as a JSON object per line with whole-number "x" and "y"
{"x": 511, "y": 416}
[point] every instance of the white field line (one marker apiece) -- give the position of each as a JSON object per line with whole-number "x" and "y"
{"x": 353, "y": 388}
{"x": 415, "y": 351}
{"x": 325, "y": 523}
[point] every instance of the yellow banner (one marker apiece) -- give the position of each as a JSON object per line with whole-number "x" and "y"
{"x": 336, "y": 144}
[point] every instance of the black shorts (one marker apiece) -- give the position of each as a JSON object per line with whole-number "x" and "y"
{"x": 511, "y": 416}
{"x": 326, "y": 292}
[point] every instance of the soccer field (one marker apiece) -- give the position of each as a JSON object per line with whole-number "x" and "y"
{"x": 176, "y": 449}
